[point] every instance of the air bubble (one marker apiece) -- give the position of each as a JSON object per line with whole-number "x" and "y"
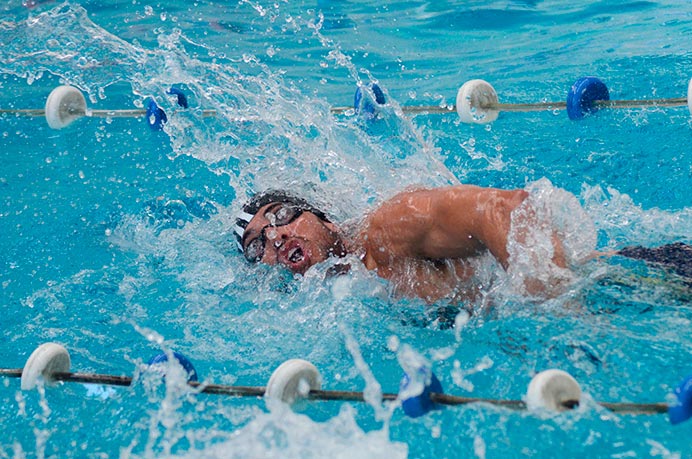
{"x": 393, "y": 343}
{"x": 52, "y": 45}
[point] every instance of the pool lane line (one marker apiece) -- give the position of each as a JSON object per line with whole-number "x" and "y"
{"x": 537, "y": 106}
{"x": 477, "y": 102}
{"x": 118, "y": 113}
{"x": 335, "y": 395}
{"x": 541, "y": 106}
{"x": 431, "y": 109}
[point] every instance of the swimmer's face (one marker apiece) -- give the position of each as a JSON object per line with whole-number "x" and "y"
{"x": 287, "y": 235}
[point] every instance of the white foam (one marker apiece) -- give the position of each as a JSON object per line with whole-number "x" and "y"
{"x": 284, "y": 434}
{"x": 548, "y": 212}
{"x": 418, "y": 369}
{"x": 621, "y": 221}
{"x": 373, "y": 390}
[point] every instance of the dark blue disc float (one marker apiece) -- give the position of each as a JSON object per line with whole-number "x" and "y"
{"x": 420, "y": 404}
{"x": 582, "y": 95}
{"x": 364, "y": 105}
{"x": 156, "y": 117}
{"x": 182, "y": 98}
{"x": 682, "y": 410}
{"x": 182, "y": 360}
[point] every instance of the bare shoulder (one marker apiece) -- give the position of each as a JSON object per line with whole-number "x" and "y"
{"x": 391, "y": 228}
{"x": 436, "y": 200}
{"x": 449, "y": 222}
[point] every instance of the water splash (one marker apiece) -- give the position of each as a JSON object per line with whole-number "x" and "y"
{"x": 267, "y": 134}
{"x": 547, "y": 213}
{"x": 620, "y": 221}
{"x": 282, "y": 433}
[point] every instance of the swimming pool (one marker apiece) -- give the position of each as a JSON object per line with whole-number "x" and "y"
{"x": 117, "y": 239}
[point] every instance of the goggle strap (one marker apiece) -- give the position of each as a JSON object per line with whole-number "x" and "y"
{"x": 239, "y": 230}
{"x": 244, "y": 216}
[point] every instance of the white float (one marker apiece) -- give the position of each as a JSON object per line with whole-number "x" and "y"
{"x": 46, "y": 360}
{"x": 293, "y": 380}
{"x": 550, "y": 390}
{"x": 64, "y": 105}
{"x": 472, "y": 97}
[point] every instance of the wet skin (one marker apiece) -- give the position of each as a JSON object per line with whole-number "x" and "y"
{"x": 421, "y": 240}
{"x": 298, "y": 245}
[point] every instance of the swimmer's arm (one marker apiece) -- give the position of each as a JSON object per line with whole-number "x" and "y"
{"x": 451, "y": 222}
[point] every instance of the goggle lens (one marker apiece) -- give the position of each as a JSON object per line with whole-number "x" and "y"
{"x": 279, "y": 216}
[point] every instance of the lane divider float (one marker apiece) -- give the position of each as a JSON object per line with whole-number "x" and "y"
{"x": 65, "y": 104}
{"x": 477, "y": 102}
{"x": 296, "y": 379}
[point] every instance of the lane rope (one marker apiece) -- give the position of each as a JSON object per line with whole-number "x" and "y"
{"x": 535, "y": 106}
{"x": 336, "y": 395}
{"x": 409, "y": 109}
{"x": 553, "y": 390}
{"x": 476, "y": 103}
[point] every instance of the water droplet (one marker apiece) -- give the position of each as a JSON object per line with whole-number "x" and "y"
{"x": 393, "y": 343}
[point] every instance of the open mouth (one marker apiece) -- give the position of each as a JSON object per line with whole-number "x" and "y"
{"x": 295, "y": 255}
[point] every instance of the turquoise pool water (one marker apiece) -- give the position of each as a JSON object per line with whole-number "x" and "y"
{"x": 110, "y": 246}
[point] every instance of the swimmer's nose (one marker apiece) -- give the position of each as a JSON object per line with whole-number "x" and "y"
{"x": 276, "y": 237}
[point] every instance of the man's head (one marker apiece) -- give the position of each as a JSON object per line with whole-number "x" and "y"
{"x": 276, "y": 227}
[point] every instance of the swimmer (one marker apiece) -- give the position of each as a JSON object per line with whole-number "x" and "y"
{"x": 424, "y": 240}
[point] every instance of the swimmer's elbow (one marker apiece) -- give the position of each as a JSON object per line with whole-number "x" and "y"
{"x": 559, "y": 258}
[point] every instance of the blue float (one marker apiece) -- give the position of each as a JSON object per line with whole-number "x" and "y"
{"x": 582, "y": 95}
{"x": 682, "y": 410}
{"x": 156, "y": 117}
{"x": 420, "y": 404}
{"x": 157, "y": 360}
{"x": 363, "y": 104}
{"x": 182, "y": 98}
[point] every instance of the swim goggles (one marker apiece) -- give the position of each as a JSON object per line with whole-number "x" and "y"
{"x": 280, "y": 214}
